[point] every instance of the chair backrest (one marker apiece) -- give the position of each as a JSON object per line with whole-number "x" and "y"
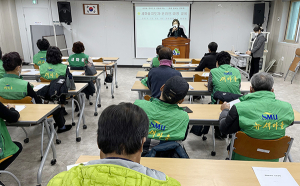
{"x": 206, "y": 70}
{"x": 297, "y": 52}
{"x": 44, "y": 80}
{"x": 147, "y": 97}
{"x": 198, "y": 78}
{"x": 194, "y": 61}
{"x": 27, "y": 100}
{"x": 174, "y": 61}
{"x": 98, "y": 60}
{"x": 36, "y": 67}
{"x": 259, "y": 148}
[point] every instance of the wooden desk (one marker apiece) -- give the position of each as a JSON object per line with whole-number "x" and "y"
{"x": 176, "y": 66}
{"x": 34, "y": 114}
{"x": 199, "y": 88}
{"x": 187, "y": 75}
{"x": 79, "y": 86}
{"x": 180, "y": 60}
{"x": 190, "y": 172}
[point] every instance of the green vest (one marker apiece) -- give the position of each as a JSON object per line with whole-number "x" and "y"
{"x": 13, "y": 87}
{"x": 6, "y": 144}
{"x": 155, "y": 62}
{"x": 261, "y": 116}
{"x": 107, "y": 174}
{"x": 166, "y": 121}
{"x": 225, "y": 79}
{"x": 78, "y": 60}
{"x": 2, "y": 71}
{"x": 40, "y": 58}
{"x": 51, "y": 72}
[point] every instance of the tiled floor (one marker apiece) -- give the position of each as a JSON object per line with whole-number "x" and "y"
{"x": 26, "y": 165}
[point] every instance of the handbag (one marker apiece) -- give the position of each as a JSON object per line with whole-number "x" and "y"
{"x": 70, "y": 82}
{"x": 90, "y": 69}
{"x": 109, "y": 77}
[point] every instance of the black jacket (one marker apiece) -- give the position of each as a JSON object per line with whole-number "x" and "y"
{"x": 177, "y": 33}
{"x": 208, "y": 61}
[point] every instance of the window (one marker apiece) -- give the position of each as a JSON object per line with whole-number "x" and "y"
{"x": 292, "y": 30}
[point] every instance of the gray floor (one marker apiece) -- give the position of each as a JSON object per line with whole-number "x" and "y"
{"x": 26, "y": 165}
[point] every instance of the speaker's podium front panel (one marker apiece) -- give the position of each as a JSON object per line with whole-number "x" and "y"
{"x": 180, "y": 46}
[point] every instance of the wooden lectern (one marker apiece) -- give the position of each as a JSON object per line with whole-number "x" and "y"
{"x": 179, "y": 45}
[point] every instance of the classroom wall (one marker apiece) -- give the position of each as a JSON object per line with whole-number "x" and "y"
{"x": 279, "y": 47}
{"x": 9, "y": 30}
{"x": 111, "y": 34}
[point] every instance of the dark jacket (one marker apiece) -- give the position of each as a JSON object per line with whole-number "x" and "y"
{"x": 177, "y": 33}
{"x": 208, "y": 61}
{"x": 157, "y": 77}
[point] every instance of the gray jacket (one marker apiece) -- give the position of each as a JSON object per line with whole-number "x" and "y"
{"x": 259, "y": 46}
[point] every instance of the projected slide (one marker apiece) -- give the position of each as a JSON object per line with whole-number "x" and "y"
{"x": 153, "y": 22}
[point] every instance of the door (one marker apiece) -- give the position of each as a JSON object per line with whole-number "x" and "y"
{"x": 34, "y": 16}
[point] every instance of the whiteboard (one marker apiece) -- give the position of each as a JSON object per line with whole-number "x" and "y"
{"x": 61, "y": 43}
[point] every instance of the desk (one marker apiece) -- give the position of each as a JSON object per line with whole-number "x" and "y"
{"x": 87, "y": 78}
{"x": 112, "y": 67}
{"x": 199, "y": 88}
{"x": 81, "y": 97}
{"x": 34, "y": 114}
{"x": 187, "y": 75}
{"x": 237, "y": 56}
{"x": 190, "y": 172}
{"x": 180, "y": 60}
{"x": 176, "y": 66}
{"x": 78, "y": 78}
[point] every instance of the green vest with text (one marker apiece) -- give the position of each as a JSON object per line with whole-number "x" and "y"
{"x": 155, "y": 62}
{"x": 78, "y": 60}
{"x": 2, "y": 71}
{"x": 261, "y": 116}
{"x": 51, "y": 72}
{"x": 166, "y": 121}
{"x": 12, "y": 87}
{"x": 40, "y": 57}
{"x": 6, "y": 144}
{"x": 225, "y": 79}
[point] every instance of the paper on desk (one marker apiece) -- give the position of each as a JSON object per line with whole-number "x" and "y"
{"x": 234, "y": 102}
{"x": 243, "y": 55}
{"x": 32, "y": 72}
{"x": 192, "y": 88}
{"x": 27, "y": 70}
{"x": 74, "y": 165}
{"x": 205, "y": 74}
{"x": 19, "y": 108}
{"x": 274, "y": 176}
{"x": 65, "y": 57}
{"x": 40, "y": 86}
{"x": 77, "y": 73}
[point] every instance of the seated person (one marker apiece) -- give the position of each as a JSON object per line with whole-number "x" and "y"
{"x": 158, "y": 76}
{"x": 79, "y": 59}
{"x": 167, "y": 121}
{"x": 259, "y": 114}
{"x": 209, "y": 59}
{"x": 10, "y": 149}
{"x": 224, "y": 78}
{"x": 155, "y": 61}
{"x": 122, "y": 131}
{"x": 2, "y": 71}
{"x": 15, "y": 88}
{"x": 40, "y": 57}
{"x": 53, "y": 67}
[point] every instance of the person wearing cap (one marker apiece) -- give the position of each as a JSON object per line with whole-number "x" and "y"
{"x": 167, "y": 121}
{"x": 259, "y": 114}
{"x": 158, "y": 76}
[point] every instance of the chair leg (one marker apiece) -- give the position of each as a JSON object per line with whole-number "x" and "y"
{"x": 26, "y": 140}
{"x": 286, "y": 75}
{"x": 42, "y": 141}
{"x": 213, "y": 153}
{"x": 6, "y": 172}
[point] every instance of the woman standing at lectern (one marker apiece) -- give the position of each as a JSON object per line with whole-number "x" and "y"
{"x": 176, "y": 31}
